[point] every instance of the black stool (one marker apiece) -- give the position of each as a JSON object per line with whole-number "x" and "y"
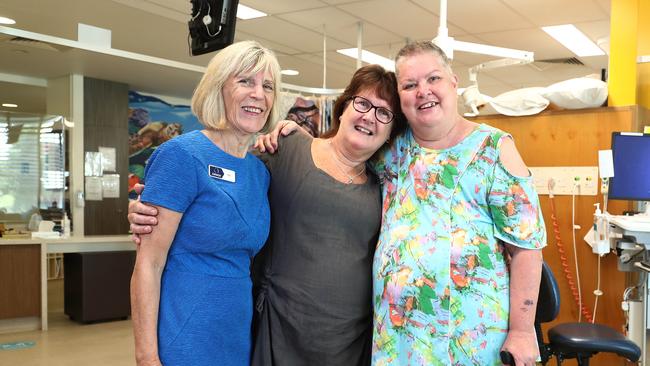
{"x": 575, "y": 340}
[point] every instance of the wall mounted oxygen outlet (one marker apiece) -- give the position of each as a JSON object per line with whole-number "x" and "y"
{"x": 566, "y": 180}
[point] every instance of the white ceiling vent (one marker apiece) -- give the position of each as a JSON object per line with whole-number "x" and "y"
{"x": 31, "y": 43}
{"x": 565, "y": 60}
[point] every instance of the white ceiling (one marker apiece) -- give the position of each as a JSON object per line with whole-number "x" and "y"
{"x": 295, "y": 30}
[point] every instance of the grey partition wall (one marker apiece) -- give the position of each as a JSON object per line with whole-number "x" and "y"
{"x": 106, "y": 107}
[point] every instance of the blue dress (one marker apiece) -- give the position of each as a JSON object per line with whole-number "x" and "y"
{"x": 206, "y": 297}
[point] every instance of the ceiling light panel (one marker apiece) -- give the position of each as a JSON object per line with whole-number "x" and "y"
{"x": 573, "y": 39}
{"x": 369, "y": 57}
{"x": 541, "y": 12}
{"x": 289, "y": 72}
{"x": 8, "y": 21}
{"x": 244, "y": 12}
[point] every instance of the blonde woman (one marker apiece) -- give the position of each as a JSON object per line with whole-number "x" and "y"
{"x": 191, "y": 288}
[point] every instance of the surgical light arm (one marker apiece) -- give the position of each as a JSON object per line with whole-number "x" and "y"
{"x": 471, "y": 95}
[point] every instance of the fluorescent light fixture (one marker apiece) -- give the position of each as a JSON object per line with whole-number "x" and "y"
{"x": 574, "y": 40}
{"x": 369, "y": 57}
{"x": 9, "y": 21}
{"x": 289, "y": 72}
{"x": 10, "y": 105}
{"x": 492, "y": 50}
{"x": 244, "y": 12}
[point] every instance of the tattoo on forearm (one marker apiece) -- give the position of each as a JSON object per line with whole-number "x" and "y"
{"x": 527, "y": 304}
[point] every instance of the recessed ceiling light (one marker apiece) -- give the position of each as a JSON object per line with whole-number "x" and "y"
{"x": 369, "y": 57}
{"x": 244, "y": 12}
{"x": 290, "y": 72}
{"x": 574, "y": 40}
{"x": 4, "y": 20}
{"x": 10, "y": 105}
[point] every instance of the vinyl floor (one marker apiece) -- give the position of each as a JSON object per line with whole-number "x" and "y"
{"x": 67, "y": 343}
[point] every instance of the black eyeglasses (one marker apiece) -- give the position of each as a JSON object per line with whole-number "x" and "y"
{"x": 363, "y": 105}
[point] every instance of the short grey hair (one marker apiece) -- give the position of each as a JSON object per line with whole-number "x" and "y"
{"x": 238, "y": 58}
{"x": 416, "y": 48}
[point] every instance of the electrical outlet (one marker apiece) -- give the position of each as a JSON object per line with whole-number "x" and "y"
{"x": 566, "y": 180}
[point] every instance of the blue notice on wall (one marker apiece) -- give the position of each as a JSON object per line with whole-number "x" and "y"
{"x": 16, "y": 345}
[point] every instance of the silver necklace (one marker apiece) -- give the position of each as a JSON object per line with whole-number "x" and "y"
{"x": 351, "y": 178}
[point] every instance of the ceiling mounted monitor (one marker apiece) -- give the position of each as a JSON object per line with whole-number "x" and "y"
{"x": 212, "y": 25}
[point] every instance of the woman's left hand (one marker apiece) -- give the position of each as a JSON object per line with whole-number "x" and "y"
{"x": 523, "y": 347}
{"x": 269, "y": 142}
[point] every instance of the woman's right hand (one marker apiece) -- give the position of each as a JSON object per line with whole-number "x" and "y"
{"x": 141, "y": 217}
{"x": 269, "y": 142}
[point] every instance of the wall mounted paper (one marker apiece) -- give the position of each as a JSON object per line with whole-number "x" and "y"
{"x": 93, "y": 164}
{"x": 108, "y": 158}
{"x": 111, "y": 186}
{"x": 94, "y": 189}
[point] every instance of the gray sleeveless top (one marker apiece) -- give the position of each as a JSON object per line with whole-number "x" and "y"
{"x": 313, "y": 278}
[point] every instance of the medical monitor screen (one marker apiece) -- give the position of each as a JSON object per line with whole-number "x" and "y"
{"x": 631, "y": 179}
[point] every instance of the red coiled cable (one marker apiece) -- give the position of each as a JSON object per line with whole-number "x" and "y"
{"x": 565, "y": 265}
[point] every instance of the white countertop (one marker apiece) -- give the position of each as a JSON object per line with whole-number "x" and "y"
{"x": 74, "y": 244}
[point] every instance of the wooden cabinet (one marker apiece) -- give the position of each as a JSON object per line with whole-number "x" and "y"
{"x": 20, "y": 281}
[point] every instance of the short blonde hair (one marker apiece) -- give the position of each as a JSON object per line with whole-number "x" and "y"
{"x": 238, "y": 58}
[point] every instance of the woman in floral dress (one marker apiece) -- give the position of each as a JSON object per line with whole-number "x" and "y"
{"x": 457, "y": 267}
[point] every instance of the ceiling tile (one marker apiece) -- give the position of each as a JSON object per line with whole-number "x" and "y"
{"x": 595, "y": 30}
{"x": 279, "y": 49}
{"x": 596, "y": 62}
{"x": 554, "y": 12}
{"x": 530, "y": 75}
{"x": 173, "y": 9}
{"x": 433, "y": 6}
{"x": 339, "y": 71}
{"x": 338, "y": 2}
{"x": 30, "y": 99}
{"x": 304, "y": 40}
{"x": 413, "y": 21}
{"x": 340, "y": 25}
{"x": 605, "y": 5}
{"x": 484, "y": 16}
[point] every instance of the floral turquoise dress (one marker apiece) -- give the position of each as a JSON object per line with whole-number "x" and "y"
{"x": 440, "y": 277}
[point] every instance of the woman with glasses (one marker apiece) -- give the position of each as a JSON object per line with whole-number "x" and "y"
{"x": 314, "y": 276}
{"x": 314, "y": 298}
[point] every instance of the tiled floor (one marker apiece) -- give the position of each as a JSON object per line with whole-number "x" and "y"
{"x": 70, "y": 344}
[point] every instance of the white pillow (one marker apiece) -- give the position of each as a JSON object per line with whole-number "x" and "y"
{"x": 520, "y": 102}
{"x": 577, "y": 93}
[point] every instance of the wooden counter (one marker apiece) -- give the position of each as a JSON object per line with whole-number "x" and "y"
{"x": 23, "y": 275}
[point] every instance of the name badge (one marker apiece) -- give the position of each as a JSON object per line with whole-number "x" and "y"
{"x": 221, "y": 173}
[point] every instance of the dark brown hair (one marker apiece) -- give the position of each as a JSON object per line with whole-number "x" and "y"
{"x": 383, "y": 83}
